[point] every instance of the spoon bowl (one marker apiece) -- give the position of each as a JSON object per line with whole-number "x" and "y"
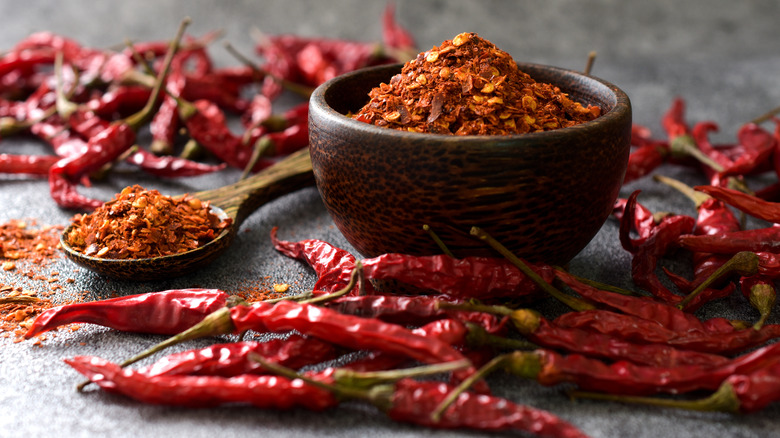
{"x": 236, "y": 201}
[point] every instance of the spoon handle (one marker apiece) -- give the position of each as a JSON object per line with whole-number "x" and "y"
{"x": 242, "y": 198}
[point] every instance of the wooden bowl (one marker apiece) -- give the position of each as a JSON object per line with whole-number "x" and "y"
{"x": 543, "y": 195}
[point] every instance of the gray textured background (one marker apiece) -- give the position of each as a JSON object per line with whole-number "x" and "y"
{"x": 721, "y": 56}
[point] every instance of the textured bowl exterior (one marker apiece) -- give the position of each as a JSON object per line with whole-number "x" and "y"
{"x": 543, "y": 195}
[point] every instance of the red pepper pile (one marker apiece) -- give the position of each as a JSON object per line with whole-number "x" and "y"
{"x": 88, "y": 104}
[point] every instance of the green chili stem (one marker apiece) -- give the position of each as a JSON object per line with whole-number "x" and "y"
{"x": 64, "y": 106}
{"x": 766, "y": 116}
{"x": 479, "y": 337}
{"x": 298, "y": 89}
{"x": 742, "y": 263}
{"x": 435, "y": 238}
{"x": 599, "y": 285}
{"x": 686, "y": 146}
{"x": 340, "y": 391}
{"x": 590, "y": 62}
{"x": 496, "y": 363}
{"x": 365, "y": 379}
{"x": 355, "y": 278}
{"x": 475, "y": 307}
{"x": 216, "y": 323}
{"x": 139, "y": 118}
{"x": 299, "y": 297}
{"x": 263, "y": 146}
{"x": 722, "y": 400}
{"x": 569, "y": 300}
{"x": 698, "y": 198}
{"x": 762, "y": 297}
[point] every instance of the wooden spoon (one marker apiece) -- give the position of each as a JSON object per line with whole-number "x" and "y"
{"x": 236, "y": 201}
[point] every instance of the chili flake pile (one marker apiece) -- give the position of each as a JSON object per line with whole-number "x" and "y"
{"x": 140, "y": 223}
{"x": 25, "y": 248}
{"x": 467, "y": 86}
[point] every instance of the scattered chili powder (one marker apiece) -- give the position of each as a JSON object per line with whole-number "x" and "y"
{"x": 25, "y": 249}
{"x": 467, "y": 86}
{"x": 21, "y": 239}
{"x": 140, "y": 223}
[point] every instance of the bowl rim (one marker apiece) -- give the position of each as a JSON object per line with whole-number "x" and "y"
{"x": 616, "y": 114}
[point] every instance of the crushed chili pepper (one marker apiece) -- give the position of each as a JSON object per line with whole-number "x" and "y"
{"x": 140, "y": 223}
{"x": 25, "y": 250}
{"x": 467, "y": 86}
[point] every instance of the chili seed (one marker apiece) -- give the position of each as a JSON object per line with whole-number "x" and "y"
{"x": 395, "y": 115}
{"x": 461, "y": 39}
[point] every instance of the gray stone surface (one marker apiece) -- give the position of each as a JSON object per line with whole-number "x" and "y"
{"x": 721, "y": 56}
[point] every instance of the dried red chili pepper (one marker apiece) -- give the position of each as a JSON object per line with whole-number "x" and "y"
{"x": 700, "y": 135}
{"x": 756, "y": 150}
{"x": 263, "y": 391}
{"x": 207, "y": 125}
{"x": 312, "y": 61}
{"x": 768, "y": 265}
{"x": 549, "y": 367}
{"x": 756, "y": 240}
{"x": 470, "y": 277}
{"x": 119, "y": 102}
{"x": 739, "y": 393}
{"x": 165, "y": 123}
{"x": 100, "y": 150}
{"x": 345, "y": 330}
{"x": 647, "y": 251}
{"x": 332, "y": 265}
{"x": 168, "y": 312}
{"x": 414, "y": 401}
{"x": 756, "y": 207}
{"x": 411, "y": 310}
{"x": 348, "y": 331}
{"x": 395, "y": 36}
{"x": 287, "y": 141}
{"x": 396, "y": 309}
{"x": 105, "y": 144}
{"x": 222, "y": 91}
{"x": 668, "y": 316}
{"x": 682, "y": 141}
{"x": 231, "y": 359}
{"x": 673, "y": 120}
{"x": 715, "y": 335}
{"x": 170, "y": 166}
{"x": 644, "y": 219}
{"x": 545, "y": 333}
{"x": 644, "y": 160}
{"x": 294, "y": 351}
{"x": 713, "y": 217}
{"x": 63, "y": 141}
{"x": 27, "y": 164}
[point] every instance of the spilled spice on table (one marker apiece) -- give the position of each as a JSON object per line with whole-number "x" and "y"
{"x": 467, "y": 86}
{"x": 25, "y": 251}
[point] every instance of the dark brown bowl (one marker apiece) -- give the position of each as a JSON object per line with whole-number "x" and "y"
{"x": 543, "y": 195}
